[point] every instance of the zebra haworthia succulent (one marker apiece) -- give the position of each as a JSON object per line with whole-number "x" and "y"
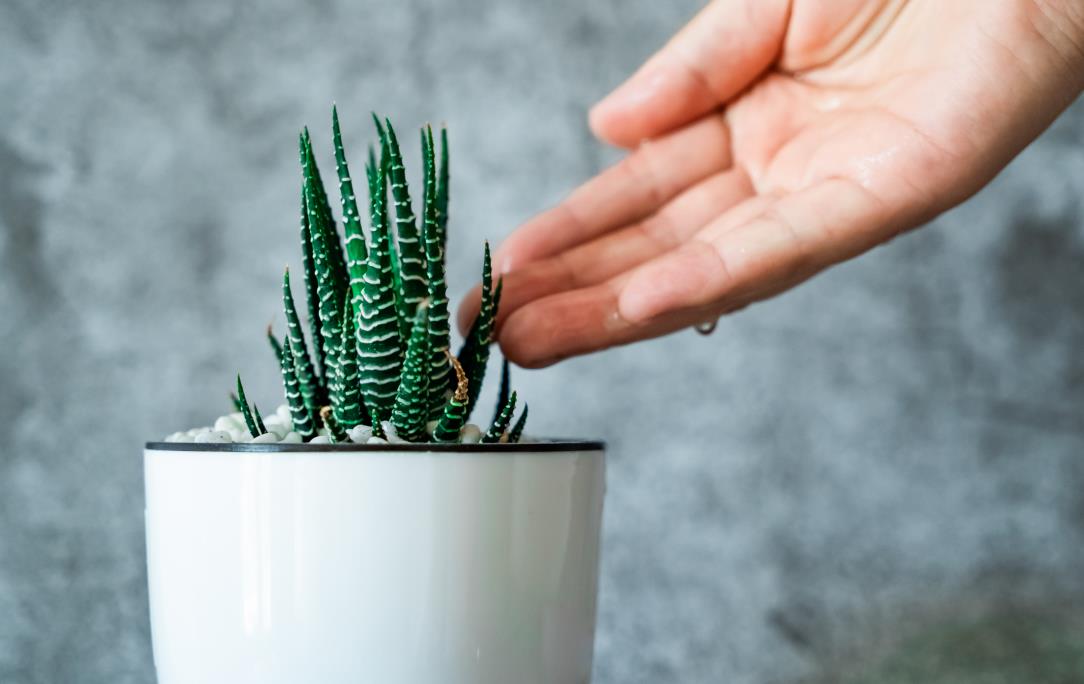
{"x": 378, "y": 339}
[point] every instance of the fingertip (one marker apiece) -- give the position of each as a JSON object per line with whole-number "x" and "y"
{"x": 505, "y": 257}
{"x": 596, "y": 120}
{"x": 521, "y": 344}
{"x": 626, "y": 116}
{"x": 535, "y": 239}
{"x": 556, "y": 327}
{"x": 605, "y": 126}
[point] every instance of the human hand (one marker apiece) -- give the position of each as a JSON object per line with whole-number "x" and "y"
{"x": 772, "y": 140}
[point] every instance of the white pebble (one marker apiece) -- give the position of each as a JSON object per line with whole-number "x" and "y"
{"x": 276, "y": 428}
{"x": 320, "y": 439}
{"x": 237, "y": 434}
{"x": 360, "y": 434}
{"x": 291, "y": 438}
{"x": 242, "y": 437}
{"x": 213, "y": 437}
{"x": 275, "y": 423}
{"x": 266, "y": 438}
{"x": 271, "y": 421}
{"x": 389, "y": 429}
{"x": 198, "y": 431}
{"x": 227, "y": 424}
{"x": 179, "y": 437}
{"x": 470, "y": 434}
{"x": 376, "y": 440}
{"x": 283, "y": 414}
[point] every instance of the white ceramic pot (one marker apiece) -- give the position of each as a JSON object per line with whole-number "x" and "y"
{"x": 356, "y": 564}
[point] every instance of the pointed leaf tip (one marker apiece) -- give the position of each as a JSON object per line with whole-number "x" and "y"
{"x": 246, "y": 411}
{"x": 454, "y": 415}
{"x": 497, "y": 429}
{"x": 516, "y": 433}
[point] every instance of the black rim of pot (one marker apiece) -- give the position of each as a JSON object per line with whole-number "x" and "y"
{"x": 521, "y": 447}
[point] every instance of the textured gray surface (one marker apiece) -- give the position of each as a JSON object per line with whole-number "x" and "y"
{"x": 893, "y": 445}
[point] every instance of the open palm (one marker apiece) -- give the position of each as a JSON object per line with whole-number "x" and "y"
{"x": 772, "y": 140}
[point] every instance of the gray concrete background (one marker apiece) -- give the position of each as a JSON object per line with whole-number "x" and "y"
{"x": 891, "y": 453}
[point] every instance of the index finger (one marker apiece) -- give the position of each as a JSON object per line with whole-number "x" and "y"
{"x": 626, "y": 192}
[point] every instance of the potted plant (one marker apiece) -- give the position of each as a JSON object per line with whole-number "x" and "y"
{"x": 366, "y": 532}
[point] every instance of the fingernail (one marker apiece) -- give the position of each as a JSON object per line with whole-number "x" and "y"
{"x": 502, "y": 263}
{"x": 640, "y": 299}
{"x": 615, "y": 321}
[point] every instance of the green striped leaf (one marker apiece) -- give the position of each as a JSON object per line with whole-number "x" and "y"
{"x": 322, "y": 208}
{"x": 496, "y": 430}
{"x": 376, "y": 425}
{"x": 330, "y": 293}
{"x": 356, "y": 250}
{"x": 454, "y": 415}
{"x": 380, "y": 132}
{"x": 335, "y": 432}
{"x": 440, "y": 334}
{"x": 411, "y": 257}
{"x": 348, "y": 410}
{"x": 370, "y": 165}
{"x": 300, "y": 414}
{"x": 259, "y": 419}
{"x": 516, "y": 433}
{"x": 377, "y": 171}
{"x": 378, "y": 341}
{"x": 504, "y": 389}
{"x": 246, "y": 411}
{"x": 411, "y": 412}
{"x": 311, "y": 390}
{"x": 312, "y": 296}
{"x": 276, "y": 346}
{"x": 474, "y": 354}
{"x": 442, "y": 189}
{"x": 380, "y": 194}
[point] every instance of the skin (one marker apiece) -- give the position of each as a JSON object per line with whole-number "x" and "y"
{"x": 771, "y": 139}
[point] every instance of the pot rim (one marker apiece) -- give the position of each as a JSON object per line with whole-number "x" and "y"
{"x": 550, "y": 445}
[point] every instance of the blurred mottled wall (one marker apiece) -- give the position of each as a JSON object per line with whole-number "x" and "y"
{"x": 893, "y": 449}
